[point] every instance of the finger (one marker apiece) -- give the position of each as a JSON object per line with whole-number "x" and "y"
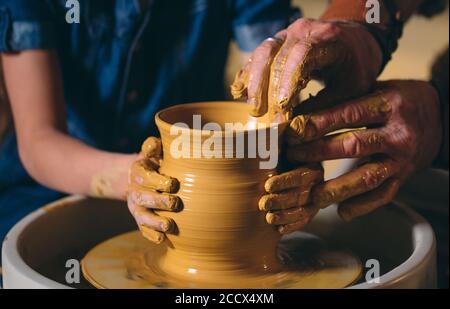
{"x": 371, "y": 110}
{"x": 353, "y": 144}
{"x": 311, "y": 53}
{"x": 291, "y": 215}
{"x": 293, "y": 227}
{"x": 300, "y": 177}
{"x": 155, "y": 200}
{"x": 331, "y": 95}
{"x": 287, "y": 199}
{"x": 239, "y": 86}
{"x": 368, "y": 202}
{"x": 152, "y": 149}
{"x": 147, "y": 218}
{"x": 361, "y": 180}
{"x": 144, "y": 175}
{"x": 152, "y": 235}
{"x": 151, "y": 220}
{"x": 336, "y": 92}
{"x": 276, "y": 72}
{"x": 258, "y": 83}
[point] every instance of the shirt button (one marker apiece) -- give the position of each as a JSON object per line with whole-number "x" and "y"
{"x": 132, "y": 96}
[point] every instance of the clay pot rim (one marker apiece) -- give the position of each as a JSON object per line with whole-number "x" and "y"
{"x": 165, "y": 125}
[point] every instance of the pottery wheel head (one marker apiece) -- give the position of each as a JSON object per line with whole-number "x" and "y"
{"x": 130, "y": 261}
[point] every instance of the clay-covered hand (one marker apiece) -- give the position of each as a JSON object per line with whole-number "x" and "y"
{"x": 287, "y": 203}
{"x": 148, "y": 190}
{"x": 402, "y": 135}
{"x": 345, "y": 56}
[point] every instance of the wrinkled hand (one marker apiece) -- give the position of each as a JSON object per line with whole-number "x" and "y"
{"x": 148, "y": 190}
{"x": 345, "y": 56}
{"x": 403, "y": 135}
{"x": 288, "y": 199}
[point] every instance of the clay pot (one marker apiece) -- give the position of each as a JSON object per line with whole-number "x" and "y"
{"x": 220, "y": 230}
{"x": 221, "y": 238}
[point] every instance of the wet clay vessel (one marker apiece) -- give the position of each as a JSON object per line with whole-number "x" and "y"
{"x": 220, "y": 228}
{"x": 221, "y": 238}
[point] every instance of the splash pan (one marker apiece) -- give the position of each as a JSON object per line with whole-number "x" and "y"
{"x": 35, "y": 251}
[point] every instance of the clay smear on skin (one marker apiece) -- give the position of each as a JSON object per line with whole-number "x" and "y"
{"x": 337, "y": 192}
{"x": 302, "y": 128}
{"x": 239, "y": 86}
{"x": 143, "y": 174}
{"x": 367, "y": 203}
{"x": 277, "y": 71}
{"x": 104, "y": 184}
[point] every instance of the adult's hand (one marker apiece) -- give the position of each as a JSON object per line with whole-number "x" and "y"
{"x": 148, "y": 190}
{"x": 344, "y": 55}
{"x": 402, "y": 136}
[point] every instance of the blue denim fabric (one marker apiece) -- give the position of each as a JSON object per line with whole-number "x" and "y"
{"x": 121, "y": 64}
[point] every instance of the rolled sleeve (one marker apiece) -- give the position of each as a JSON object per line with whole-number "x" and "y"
{"x": 26, "y": 24}
{"x": 256, "y": 20}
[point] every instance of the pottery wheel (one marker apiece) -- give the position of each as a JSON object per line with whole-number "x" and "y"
{"x": 130, "y": 261}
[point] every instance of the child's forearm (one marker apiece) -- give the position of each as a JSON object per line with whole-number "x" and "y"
{"x": 51, "y": 156}
{"x": 63, "y": 163}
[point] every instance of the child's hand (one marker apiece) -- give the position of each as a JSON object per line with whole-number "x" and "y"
{"x": 288, "y": 198}
{"x": 149, "y": 190}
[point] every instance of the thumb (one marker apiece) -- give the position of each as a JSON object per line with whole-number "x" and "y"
{"x": 324, "y": 99}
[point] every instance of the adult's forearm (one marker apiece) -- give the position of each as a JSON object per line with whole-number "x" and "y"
{"x": 355, "y": 10}
{"x": 63, "y": 163}
{"x": 50, "y": 155}
{"x": 386, "y": 31}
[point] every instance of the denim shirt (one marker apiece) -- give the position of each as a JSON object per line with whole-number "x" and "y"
{"x": 122, "y": 63}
